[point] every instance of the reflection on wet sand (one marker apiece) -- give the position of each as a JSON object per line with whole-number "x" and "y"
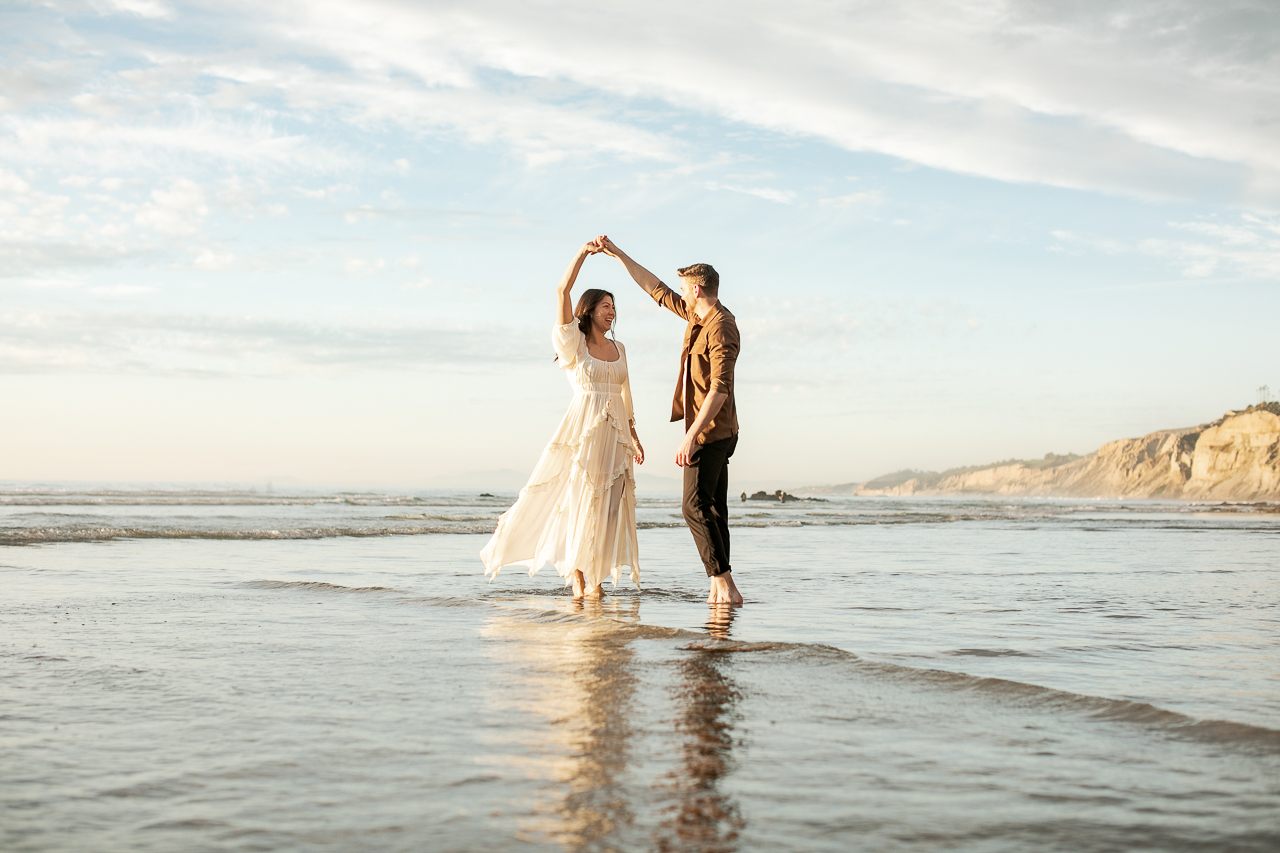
{"x": 720, "y": 620}
{"x": 623, "y": 768}
{"x": 704, "y": 818}
{"x": 576, "y": 687}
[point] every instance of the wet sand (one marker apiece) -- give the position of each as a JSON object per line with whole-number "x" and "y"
{"x": 300, "y": 696}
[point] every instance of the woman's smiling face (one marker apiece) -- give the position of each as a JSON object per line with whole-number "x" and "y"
{"x": 604, "y": 314}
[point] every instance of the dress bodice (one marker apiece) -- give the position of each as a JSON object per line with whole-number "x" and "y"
{"x": 592, "y": 374}
{"x": 588, "y": 374}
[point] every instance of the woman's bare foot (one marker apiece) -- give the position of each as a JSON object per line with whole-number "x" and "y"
{"x": 580, "y": 590}
{"x": 724, "y": 590}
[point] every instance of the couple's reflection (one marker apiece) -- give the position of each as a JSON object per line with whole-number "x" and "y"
{"x": 601, "y": 733}
{"x": 703, "y": 817}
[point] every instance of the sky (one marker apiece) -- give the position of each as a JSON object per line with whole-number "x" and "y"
{"x": 318, "y": 242}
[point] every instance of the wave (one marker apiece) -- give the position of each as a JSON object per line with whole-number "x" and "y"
{"x": 463, "y": 518}
{"x": 201, "y": 497}
{"x": 52, "y": 535}
{"x": 318, "y": 586}
{"x": 437, "y": 524}
{"x": 1097, "y": 708}
{"x": 1101, "y": 709}
{"x": 401, "y": 596}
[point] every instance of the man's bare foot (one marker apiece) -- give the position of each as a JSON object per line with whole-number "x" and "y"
{"x": 724, "y": 590}
{"x": 579, "y": 586}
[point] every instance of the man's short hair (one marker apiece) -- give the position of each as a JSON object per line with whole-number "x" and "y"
{"x": 703, "y": 275}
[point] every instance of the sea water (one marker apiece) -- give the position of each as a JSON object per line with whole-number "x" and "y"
{"x": 242, "y": 671}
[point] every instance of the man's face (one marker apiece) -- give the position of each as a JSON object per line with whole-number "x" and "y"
{"x": 690, "y": 289}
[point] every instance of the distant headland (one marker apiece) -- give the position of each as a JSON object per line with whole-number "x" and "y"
{"x": 1235, "y": 458}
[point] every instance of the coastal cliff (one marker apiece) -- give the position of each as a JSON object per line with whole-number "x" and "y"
{"x": 1236, "y": 457}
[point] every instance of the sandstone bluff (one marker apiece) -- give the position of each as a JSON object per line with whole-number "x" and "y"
{"x": 1235, "y": 458}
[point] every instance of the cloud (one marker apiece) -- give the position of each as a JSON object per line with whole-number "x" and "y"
{"x": 36, "y": 81}
{"x": 1164, "y": 99}
{"x": 825, "y": 329}
{"x": 41, "y": 341}
{"x": 37, "y": 236}
{"x": 360, "y": 268}
{"x": 870, "y": 198}
{"x": 25, "y": 257}
{"x": 1248, "y": 247}
{"x": 178, "y": 211}
{"x": 140, "y": 139}
{"x": 325, "y": 192}
{"x": 213, "y": 259}
{"x": 1139, "y": 97}
{"x": 1229, "y": 234}
{"x": 774, "y": 195}
{"x": 142, "y": 8}
{"x": 28, "y": 213}
{"x": 1232, "y": 254}
{"x": 123, "y": 290}
{"x": 1070, "y": 241}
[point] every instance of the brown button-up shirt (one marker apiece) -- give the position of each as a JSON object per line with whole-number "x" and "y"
{"x": 710, "y": 351}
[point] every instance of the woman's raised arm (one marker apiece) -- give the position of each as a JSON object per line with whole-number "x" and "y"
{"x": 564, "y": 302}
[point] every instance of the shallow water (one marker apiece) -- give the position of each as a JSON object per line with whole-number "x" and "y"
{"x": 970, "y": 676}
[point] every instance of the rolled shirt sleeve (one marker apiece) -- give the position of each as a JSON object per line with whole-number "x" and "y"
{"x": 669, "y": 299}
{"x": 722, "y": 348}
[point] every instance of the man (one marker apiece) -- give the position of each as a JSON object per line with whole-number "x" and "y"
{"x": 704, "y": 401}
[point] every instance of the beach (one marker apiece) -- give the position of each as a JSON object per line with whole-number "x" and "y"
{"x": 215, "y": 671}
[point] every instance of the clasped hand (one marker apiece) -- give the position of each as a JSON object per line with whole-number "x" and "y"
{"x": 601, "y": 244}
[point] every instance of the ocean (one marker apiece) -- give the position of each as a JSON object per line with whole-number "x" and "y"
{"x": 240, "y": 671}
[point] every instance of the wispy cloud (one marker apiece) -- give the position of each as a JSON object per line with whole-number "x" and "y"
{"x": 870, "y": 198}
{"x": 178, "y": 210}
{"x": 1154, "y": 99}
{"x": 1127, "y": 100}
{"x": 1071, "y": 241}
{"x": 1248, "y": 247}
{"x": 41, "y": 341}
{"x": 776, "y": 196}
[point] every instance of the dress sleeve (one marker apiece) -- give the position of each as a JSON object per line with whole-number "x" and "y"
{"x": 626, "y": 388}
{"x": 569, "y": 342}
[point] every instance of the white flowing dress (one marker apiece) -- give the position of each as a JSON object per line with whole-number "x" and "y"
{"x": 578, "y": 510}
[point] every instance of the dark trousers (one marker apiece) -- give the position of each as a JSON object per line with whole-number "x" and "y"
{"x": 706, "y": 502}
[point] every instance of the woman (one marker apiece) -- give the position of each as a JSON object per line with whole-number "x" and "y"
{"x": 578, "y": 509}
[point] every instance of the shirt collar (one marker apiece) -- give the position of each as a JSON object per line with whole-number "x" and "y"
{"x": 711, "y": 312}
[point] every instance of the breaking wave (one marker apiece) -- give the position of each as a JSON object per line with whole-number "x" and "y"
{"x": 40, "y": 516}
{"x": 40, "y": 536}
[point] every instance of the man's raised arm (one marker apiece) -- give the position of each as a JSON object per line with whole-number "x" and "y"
{"x": 643, "y": 277}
